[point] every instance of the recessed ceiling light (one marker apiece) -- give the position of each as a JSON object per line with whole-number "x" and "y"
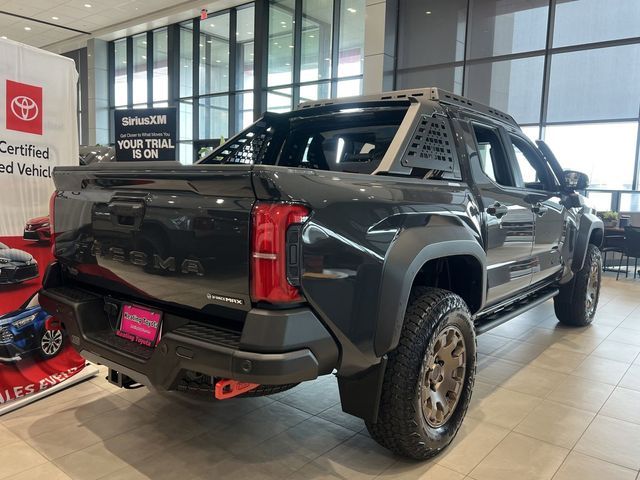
{"x": 351, "y": 10}
{"x": 312, "y": 36}
{"x": 428, "y": 12}
{"x": 144, "y": 42}
{"x": 124, "y": 61}
{"x": 204, "y": 58}
{"x": 209, "y": 41}
{"x": 4, "y": 37}
{"x": 288, "y": 64}
{"x": 144, "y": 57}
{"x": 88, "y": 5}
{"x": 27, "y": 28}
{"x": 201, "y": 45}
{"x": 290, "y": 46}
{"x": 55, "y": 18}
{"x": 213, "y": 24}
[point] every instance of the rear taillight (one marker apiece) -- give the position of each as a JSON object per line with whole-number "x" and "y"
{"x": 275, "y": 252}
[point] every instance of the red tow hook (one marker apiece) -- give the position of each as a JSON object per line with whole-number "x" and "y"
{"x": 226, "y": 388}
{"x": 52, "y": 323}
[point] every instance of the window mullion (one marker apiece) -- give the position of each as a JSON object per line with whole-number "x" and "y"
{"x": 232, "y": 72}
{"x": 150, "y": 68}
{"x": 129, "y": 72}
{"x": 335, "y": 48}
{"x": 195, "y": 80}
{"x": 297, "y": 52}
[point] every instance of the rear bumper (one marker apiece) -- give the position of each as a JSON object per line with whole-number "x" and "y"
{"x": 273, "y": 347}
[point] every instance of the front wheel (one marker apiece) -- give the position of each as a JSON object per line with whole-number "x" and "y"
{"x": 429, "y": 377}
{"x": 577, "y": 301}
{"x": 51, "y": 343}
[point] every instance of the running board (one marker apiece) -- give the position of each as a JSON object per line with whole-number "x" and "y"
{"x": 496, "y": 319}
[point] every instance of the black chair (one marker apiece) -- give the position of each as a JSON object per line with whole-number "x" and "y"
{"x": 614, "y": 243}
{"x": 631, "y": 249}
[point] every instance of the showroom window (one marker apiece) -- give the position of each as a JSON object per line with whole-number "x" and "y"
{"x": 309, "y": 58}
{"x": 568, "y": 72}
{"x": 139, "y": 71}
{"x": 211, "y": 71}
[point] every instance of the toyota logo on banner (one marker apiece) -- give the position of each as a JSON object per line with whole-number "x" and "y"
{"x": 24, "y": 107}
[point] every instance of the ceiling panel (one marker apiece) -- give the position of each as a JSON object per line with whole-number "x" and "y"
{"x": 73, "y": 14}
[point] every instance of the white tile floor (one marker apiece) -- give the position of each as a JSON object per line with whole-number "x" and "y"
{"x": 550, "y": 402}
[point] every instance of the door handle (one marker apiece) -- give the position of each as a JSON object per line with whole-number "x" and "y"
{"x": 539, "y": 209}
{"x": 497, "y": 210}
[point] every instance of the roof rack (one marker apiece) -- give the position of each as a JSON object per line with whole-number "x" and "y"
{"x": 443, "y": 96}
{"x": 432, "y": 93}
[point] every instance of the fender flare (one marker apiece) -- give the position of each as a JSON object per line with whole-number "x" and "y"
{"x": 588, "y": 224}
{"x": 410, "y": 251}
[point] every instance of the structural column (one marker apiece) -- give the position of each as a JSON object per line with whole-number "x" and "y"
{"x": 98, "y": 92}
{"x": 380, "y": 45}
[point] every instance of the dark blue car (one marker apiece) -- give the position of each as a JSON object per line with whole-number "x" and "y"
{"x": 24, "y": 332}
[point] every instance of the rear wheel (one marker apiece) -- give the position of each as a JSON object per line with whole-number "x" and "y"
{"x": 429, "y": 376}
{"x": 577, "y": 301}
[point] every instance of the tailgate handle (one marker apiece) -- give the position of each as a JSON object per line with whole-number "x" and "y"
{"x": 126, "y": 214}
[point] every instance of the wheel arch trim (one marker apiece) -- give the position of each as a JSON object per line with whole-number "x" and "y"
{"x": 589, "y": 225}
{"x": 413, "y": 249}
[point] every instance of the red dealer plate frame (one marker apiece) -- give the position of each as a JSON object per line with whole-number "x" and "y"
{"x": 140, "y": 324}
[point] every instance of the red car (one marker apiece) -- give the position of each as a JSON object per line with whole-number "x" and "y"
{"x": 38, "y": 229}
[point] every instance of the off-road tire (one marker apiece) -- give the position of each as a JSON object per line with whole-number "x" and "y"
{"x": 571, "y": 304}
{"x": 401, "y": 425}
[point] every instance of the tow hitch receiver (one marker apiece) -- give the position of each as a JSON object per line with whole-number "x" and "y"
{"x": 226, "y": 388}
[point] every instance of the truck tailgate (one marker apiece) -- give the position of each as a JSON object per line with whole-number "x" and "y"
{"x": 158, "y": 231}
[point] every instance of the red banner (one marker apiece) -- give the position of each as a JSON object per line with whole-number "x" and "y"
{"x": 32, "y": 358}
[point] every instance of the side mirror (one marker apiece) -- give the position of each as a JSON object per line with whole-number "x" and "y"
{"x": 576, "y": 180}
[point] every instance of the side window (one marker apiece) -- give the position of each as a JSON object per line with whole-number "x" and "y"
{"x": 493, "y": 159}
{"x": 533, "y": 173}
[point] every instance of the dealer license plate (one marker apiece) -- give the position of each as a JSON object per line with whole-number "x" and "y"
{"x": 140, "y": 325}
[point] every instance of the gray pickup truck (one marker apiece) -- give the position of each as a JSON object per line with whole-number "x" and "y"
{"x": 371, "y": 237}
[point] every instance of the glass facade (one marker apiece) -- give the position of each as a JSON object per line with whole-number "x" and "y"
{"x": 120, "y": 73}
{"x": 315, "y": 51}
{"x": 568, "y": 71}
{"x": 160, "y": 66}
{"x": 213, "y": 73}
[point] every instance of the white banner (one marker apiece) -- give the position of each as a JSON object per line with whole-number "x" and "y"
{"x": 38, "y": 130}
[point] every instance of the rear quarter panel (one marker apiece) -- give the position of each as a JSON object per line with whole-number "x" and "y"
{"x": 355, "y": 222}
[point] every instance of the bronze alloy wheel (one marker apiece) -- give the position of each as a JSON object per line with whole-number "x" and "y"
{"x": 442, "y": 376}
{"x": 592, "y": 289}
